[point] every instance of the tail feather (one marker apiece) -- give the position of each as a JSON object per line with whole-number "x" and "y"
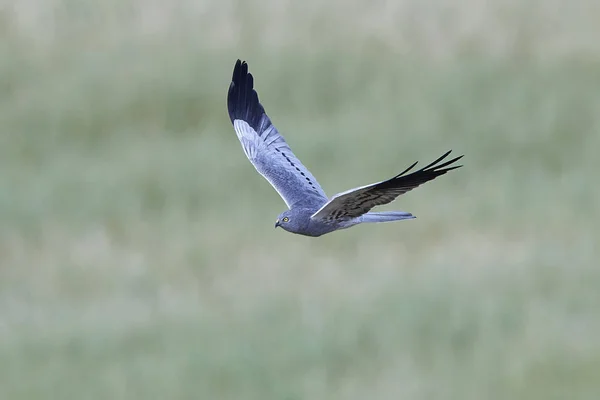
{"x": 386, "y": 216}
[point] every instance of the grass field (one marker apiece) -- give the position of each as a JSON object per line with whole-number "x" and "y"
{"x": 138, "y": 258}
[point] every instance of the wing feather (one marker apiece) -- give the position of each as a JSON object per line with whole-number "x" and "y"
{"x": 266, "y": 149}
{"x": 356, "y": 202}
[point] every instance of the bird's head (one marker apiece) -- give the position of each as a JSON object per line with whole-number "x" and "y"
{"x": 290, "y": 220}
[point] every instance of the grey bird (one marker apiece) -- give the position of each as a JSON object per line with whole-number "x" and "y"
{"x": 310, "y": 212}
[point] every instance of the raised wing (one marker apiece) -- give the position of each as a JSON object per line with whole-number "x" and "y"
{"x": 265, "y": 147}
{"x": 356, "y": 202}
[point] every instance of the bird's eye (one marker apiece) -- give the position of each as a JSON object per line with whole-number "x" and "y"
{"x": 285, "y": 219}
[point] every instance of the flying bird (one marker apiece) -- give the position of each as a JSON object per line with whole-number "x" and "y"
{"x": 310, "y": 212}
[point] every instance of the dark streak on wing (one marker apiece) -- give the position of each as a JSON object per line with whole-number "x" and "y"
{"x": 312, "y": 185}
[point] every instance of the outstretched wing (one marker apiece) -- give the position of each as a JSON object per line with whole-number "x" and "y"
{"x": 356, "y": 202}
{"x": 264, "y": 146}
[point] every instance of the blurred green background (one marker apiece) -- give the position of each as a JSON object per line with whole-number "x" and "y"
{"x": 138, "y": 258}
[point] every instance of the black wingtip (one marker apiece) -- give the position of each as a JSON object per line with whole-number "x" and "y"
{"x": 406, "y": 170}
{"x": 434, "y": 166}
{"x": 242, "y": 99}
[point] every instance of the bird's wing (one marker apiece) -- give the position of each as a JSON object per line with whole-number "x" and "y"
{"x": 356, "y": 202}
{"x": 264, "y": 146}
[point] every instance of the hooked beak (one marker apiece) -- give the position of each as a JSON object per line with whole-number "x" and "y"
{"x": 277, "y": 223}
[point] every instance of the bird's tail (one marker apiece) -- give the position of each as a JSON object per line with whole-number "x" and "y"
{"x": 386, "y": 216}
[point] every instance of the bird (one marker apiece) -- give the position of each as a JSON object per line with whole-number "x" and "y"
{"x": 310, "y": 212}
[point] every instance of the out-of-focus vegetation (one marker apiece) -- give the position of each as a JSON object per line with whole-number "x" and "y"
{"x": 138, "y": 258}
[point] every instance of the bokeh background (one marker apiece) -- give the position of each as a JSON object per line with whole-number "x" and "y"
{"x": 138, "y": 258}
